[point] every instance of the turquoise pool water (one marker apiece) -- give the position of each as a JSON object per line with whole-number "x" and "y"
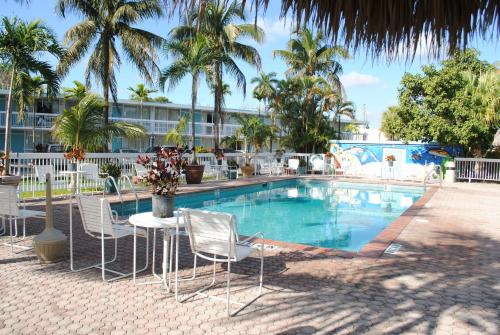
{"x": 326, "y": 214}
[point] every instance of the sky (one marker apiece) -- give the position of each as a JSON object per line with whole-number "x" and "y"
{"x": 371, "y": 84}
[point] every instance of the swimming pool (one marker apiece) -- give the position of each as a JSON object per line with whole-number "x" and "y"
{"x": 327, "y": 214}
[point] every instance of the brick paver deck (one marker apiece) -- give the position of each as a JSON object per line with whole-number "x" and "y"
{"x": 444, "y": 280}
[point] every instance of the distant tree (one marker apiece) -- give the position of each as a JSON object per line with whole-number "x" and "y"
{"x": 440, "y": 105}
{"x": 141, "y": 93}
{"x": 21, "y": 46}
{"x": 265, "y": 88}
{"x": 392, "y": 125}
{"x": 82, "y": 127}
{"x": 177, "y": 135}
{"x": 107, "y": 25}
{"x": 162, "y": 99}
{"x": 77, "y": 92}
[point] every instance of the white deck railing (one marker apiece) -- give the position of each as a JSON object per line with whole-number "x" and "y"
{"x": 477, "y": 169}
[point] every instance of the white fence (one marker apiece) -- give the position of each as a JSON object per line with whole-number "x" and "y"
{"x": 477, "y": 169}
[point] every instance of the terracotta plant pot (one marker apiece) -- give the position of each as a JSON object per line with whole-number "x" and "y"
{"x": 247, "y": 170}
{"x": 194, "y": 174}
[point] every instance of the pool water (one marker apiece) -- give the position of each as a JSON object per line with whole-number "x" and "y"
{"x": 325, "y": 214}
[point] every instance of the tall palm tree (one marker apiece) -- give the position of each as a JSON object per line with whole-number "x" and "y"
{"x": 77, "y": 92}
{"x": 21, "y": 46}
{"x": 38, "y": 89}
{"x": 309, "y": 55}
{"x": 191, "y": 57}
{"x": 343, "y": 107}
{"x": 81, "y": 127}
{"x": 105, "y": 23}
{"x": 141, "y": 93}
{"x": 216, "y": 19}
{"x": 265, "y": 88}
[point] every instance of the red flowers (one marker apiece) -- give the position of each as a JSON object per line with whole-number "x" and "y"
{"x": 76, "y": 154}
{"x": 164, "y": 170}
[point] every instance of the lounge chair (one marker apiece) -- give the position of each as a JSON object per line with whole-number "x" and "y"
{"x": 293, "y": 166}
{"x": 140, "y": 171}
{"x": 91, "y": 175}
{"x": 214, "y": 236}
{"x": 317, "y": 164}
{"x": 9, "y": 208}
{"x": 100, "y": 222}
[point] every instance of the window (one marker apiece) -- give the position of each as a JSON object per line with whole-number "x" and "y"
{"x": 210, "y": 118}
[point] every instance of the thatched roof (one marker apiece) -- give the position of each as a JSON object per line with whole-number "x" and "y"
{"x": 389, "y": 27}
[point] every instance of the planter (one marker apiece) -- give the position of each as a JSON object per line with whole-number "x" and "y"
{"x": 49, "y": 245}
{"x": 247, "y": 170}
{"x": 71, "y": 166}
{"x": 301, "y": 170}
{"x": 109, "y": 187}
{"x": 232, "y": 174}
{"x": 390, "y": 163}
{"x": 219, "y": 162}
{"x": 10, "y": 180}
{"x": 194, "y": 174}
{"x": 163, "y": 206}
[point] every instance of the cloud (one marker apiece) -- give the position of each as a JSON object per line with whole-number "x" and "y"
{"x": 275, "y": 29}
{"x": 353, "y": 79}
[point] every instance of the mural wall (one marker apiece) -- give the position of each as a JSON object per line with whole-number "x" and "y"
{"x": 373, "y": 158}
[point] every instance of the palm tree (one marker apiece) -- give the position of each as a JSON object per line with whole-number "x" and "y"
{"x": 342, "y": 107}
{"x": 37, "y": 88}
{"x": 81, "y": 127}
{"x": 216, "y": 20}
{"x": 192, "y": 57}
{"x": 105, "y": 23}
{"x": 484, "y": 89}
{"x": 21, "y": 45}
{"x": 78, "y": 92}
{"x": 176, "y": 135}
{"x": 141, "y": 93}
{"x": 265, "y": 88}
{"x": 255, "y": 132}
{"x": 308, "y": 55}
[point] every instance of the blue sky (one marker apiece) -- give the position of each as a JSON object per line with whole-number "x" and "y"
{"x": 371, "y": 85}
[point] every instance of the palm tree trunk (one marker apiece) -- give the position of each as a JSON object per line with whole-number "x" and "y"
{"x": 34, "y": 121}
{"x": 217, "y": 103}
{"x": 194, "y": 93}
{"x": 8, "y": 122}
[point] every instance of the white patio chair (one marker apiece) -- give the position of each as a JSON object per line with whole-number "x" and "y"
{"x": 100, "y": 222}
{"x": 276, "y": 169}
{"x": 140, "y": 171}
{"x": 317, "y": 164}
{"x": 9, "y": 208}
{"x": 293, "y": 165}
{"x": 91, "y": 175}
{"x": 42, "y": 170}
{"x": 214, "y": 236}
{"x": 208, "y": 170}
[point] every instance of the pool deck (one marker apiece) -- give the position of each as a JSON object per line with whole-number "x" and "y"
{"x": 445, "y": 279}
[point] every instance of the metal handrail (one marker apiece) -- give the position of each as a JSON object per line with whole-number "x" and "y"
{"x": 436, "y": 169}
{"x": 127, "y": 178}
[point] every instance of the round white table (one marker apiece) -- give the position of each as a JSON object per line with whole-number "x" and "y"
{"x": 148, "y": 221}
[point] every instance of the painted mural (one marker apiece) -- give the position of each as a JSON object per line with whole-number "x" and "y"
{"x": 378, "y": 159}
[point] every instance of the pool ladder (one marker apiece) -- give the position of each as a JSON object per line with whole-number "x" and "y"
{"x": 132, "y": 188}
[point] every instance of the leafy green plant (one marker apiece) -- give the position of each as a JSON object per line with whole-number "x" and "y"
{"x": 302, "y": 162}
{"x": 231, "y": 163}
{"x": 111, "y": 169}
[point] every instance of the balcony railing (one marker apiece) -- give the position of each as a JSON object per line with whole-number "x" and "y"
{"x": 160, "y": 127}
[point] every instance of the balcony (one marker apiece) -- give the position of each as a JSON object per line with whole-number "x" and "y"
{"x": 157, "y": 127}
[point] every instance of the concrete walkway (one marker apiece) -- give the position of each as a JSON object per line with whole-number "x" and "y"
{"x": 444, "y": 280}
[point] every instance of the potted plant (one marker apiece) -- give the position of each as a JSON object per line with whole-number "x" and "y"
{"x": 256, "y": 133}
{"x": 302, "y": 166}
{"x": 279, "y": 155}
{"x": 219, "y": 155}
{"x": 113, "y": 170}
{"x": 74, "y": 156}
{"x": 390, "y": 160}
{"x": 232, "y": 171}
{"x": 163, "y": 175}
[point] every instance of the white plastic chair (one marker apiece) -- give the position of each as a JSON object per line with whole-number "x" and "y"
{"x": 214, "y": 237}
{"x": 293, "y": 165}
{"x": 9, "y": 208}
{"x": 317, "y": 164}
{"x": 42, "y": 170}
{"x": 140, "y": 171}
{"x": 91, "y": 174}
{"x": 100, "y": 222}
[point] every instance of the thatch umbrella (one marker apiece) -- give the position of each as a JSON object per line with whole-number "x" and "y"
{"x": 387, "y": 27}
